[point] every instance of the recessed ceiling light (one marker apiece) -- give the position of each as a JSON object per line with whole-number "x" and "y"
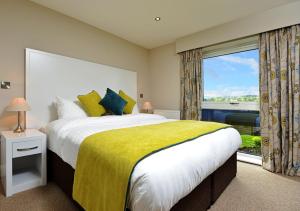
{"x": 157, "y": 18}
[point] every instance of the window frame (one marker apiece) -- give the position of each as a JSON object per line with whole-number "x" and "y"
{"x": 246, "y": 44}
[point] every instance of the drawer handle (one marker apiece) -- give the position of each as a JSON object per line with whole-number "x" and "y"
{"x": 27, "y": 149}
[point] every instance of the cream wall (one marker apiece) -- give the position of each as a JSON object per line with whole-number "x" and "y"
{"x": 277, "y": 17}
{"x": 164, "y": 77}
{"x": 27, "y": 25}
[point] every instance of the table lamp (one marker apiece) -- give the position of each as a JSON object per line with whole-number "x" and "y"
{"x": 147, "y": 107}
{"x": 19, "y": 105}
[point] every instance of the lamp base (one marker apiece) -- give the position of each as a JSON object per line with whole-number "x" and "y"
{"x": 19, "y": 129}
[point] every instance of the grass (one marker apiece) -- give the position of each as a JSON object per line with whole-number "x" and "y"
{"x": 251, "y": 145}
{"x": 249, "y": 141}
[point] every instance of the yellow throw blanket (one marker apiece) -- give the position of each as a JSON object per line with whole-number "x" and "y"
{"x": 107, "y": 159}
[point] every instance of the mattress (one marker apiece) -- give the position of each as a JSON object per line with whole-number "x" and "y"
{"x": 162, "y": 179}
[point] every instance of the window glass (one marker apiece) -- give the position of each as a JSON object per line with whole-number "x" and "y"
{"x": 232, "y": 78}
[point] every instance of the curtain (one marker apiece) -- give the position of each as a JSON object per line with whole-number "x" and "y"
{"x": 191, "y": 84}
{"x": 280, "y": 100}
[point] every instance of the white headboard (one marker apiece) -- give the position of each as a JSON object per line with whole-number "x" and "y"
{"x": 49, "y": 75}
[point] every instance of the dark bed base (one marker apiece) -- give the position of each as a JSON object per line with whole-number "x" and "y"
{"x": 201, "y": 198}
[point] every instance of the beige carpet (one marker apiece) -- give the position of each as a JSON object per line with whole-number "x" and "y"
{"x": 255, "y": 189}
{"x": 252, "y": 189}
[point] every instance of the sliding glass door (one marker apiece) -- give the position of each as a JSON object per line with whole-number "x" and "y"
{"x": 231, "y": 93}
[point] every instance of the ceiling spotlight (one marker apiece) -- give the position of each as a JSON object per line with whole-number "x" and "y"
{"x": 157, "y": 18}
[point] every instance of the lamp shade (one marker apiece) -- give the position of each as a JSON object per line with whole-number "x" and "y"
{"x": 147, "y": 106}
{"x": 18, "y": 104}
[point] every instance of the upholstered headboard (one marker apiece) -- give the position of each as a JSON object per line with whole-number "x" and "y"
{"x": 49, "y": 75}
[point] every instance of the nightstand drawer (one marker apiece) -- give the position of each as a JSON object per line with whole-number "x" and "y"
{"x": 26, "y": 148}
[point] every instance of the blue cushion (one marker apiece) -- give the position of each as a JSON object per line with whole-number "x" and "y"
{"x": 113, "y": 102}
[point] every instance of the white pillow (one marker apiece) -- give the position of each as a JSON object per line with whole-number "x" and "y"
{"x": 67, "y": 109}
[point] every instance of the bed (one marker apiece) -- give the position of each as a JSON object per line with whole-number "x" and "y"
{"x": 189, "y": 176}
{"x": 170, "y": 179}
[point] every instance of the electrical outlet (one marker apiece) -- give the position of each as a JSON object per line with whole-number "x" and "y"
{"x": 5, "y": 85}
{"x": 141, "y": 95}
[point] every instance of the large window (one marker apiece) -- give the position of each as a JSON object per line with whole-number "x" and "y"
{"x": 231, "y": 81}
{"x": 231, "y": 91}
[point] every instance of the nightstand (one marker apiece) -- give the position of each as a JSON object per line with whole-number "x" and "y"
{"x": 23, "y": 160}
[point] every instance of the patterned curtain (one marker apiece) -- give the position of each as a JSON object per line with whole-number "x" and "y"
{"x": 280, "y": 100}
{"x": 190, "y": 82}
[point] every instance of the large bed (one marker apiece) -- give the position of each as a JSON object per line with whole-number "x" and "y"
{"x": 188, "y": 176}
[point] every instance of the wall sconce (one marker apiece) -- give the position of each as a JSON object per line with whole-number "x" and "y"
{"x": 5, "y": 85}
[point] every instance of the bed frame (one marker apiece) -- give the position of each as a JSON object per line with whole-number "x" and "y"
{"x": 46, "y": 76}
{"x": 201, "y": 198}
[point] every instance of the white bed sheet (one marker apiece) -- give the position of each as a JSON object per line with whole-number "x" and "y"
{"x": 162, "y": 179}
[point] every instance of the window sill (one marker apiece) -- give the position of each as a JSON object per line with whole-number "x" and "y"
{"x": 253, "y": 159}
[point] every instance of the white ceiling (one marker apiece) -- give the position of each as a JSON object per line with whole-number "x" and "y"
{"x": 133, "y": 20}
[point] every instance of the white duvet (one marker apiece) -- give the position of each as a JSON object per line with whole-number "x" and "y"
{"x": 162, "y": 179}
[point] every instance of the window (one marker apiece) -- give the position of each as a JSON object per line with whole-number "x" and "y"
{"x": 231, "y": 78}
{"x": 231, "y": 90}
{"x": 231, "y": 81}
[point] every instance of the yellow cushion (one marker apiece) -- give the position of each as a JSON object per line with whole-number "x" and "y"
{"x": 130, "y": 102}
{"x": 90, "y": 103}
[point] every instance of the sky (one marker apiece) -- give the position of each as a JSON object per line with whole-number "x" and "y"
{"x": 231, "y": 75}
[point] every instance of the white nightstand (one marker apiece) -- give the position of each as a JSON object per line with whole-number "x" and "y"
{"x": 23, "y": 160}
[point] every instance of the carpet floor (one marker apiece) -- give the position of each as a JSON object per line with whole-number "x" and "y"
{"x": 252, "y": 189}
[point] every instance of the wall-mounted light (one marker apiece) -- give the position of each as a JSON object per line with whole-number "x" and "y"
{"x": 5, "y": 85}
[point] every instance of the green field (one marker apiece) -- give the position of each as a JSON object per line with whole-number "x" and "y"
{"x": 245, "y": 98}
{"x": 251, "y": 144}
